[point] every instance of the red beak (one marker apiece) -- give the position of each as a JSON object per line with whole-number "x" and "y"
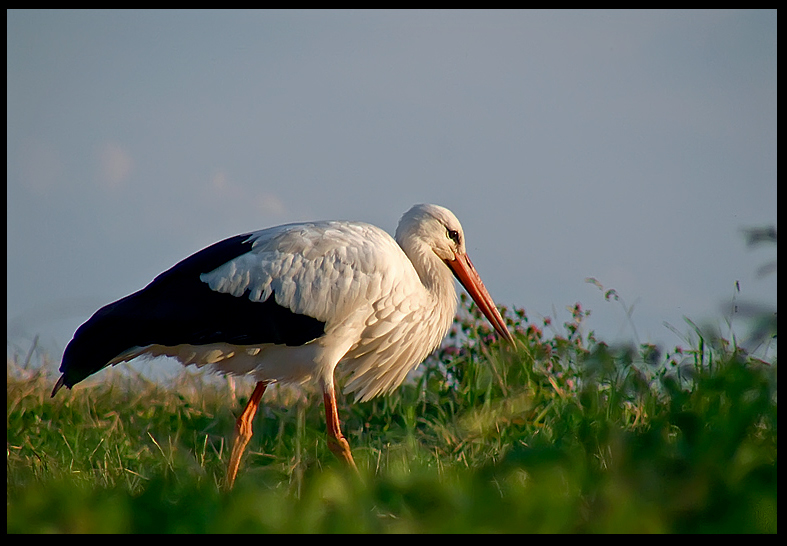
{"x": 464, "y": 271}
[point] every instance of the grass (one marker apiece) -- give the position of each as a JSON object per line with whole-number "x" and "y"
{"x": 563, "y": 434}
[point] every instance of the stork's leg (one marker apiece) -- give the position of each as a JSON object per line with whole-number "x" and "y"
{"x": 243, "y": 432}
{"x": 336, "y": 441}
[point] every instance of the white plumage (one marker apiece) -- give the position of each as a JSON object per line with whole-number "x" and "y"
{"x": 382, "y": 306}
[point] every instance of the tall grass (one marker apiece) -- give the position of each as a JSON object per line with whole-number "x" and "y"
{"x": 562, "y": 434}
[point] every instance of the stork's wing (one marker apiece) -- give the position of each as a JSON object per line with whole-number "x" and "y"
{"x": 179, "y": 308}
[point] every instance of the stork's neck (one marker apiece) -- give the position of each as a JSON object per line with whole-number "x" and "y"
{"x": 436, "y": 277}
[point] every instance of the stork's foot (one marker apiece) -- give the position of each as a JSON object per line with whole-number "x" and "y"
{"x": 242, "y": 436}
{"x": 336, "y": 441}
{"x": 243, "y": 432}
{"x": 341, "y": 448}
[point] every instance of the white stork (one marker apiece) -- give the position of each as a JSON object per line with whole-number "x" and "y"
{"x": 293, "y": 302}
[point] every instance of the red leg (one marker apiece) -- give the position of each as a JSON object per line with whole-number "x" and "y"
{"x": 336, "y": 441}
{"x": 243, "y": 431}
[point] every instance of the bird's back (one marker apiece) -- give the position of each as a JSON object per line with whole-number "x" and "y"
{"x": 325, "y": 270}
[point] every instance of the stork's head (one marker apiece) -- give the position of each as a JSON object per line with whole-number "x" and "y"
{"x": 435, "y": 226}
{"x": 426, "y": 228}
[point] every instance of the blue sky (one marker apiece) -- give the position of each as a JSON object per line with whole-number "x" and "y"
{"x": 628, "y": 146}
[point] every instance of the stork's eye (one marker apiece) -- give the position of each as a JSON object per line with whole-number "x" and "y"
{"x": 453, "y": 235}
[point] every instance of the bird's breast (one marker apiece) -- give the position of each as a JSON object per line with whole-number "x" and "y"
{"x": 397, "y": 335}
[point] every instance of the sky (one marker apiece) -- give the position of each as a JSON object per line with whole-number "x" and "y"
{"x": 632, "y": 147}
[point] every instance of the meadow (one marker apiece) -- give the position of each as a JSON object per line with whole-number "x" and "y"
{"x": 563, "y": 433}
